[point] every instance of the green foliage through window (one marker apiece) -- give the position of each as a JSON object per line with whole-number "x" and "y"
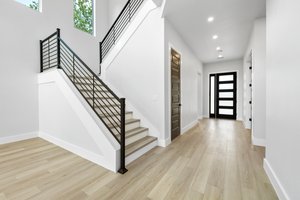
{"x": 83, "y": 15}
{"x": 34, "y": 5}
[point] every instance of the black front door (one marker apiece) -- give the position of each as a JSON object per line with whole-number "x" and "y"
{"x": 223, "y": 95}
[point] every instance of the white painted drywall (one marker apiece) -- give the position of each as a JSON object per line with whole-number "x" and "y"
{"x": 114, "y": 9}
{"x": 257, "y": 45}
{"x": 283, "y": 96}
{"x": 191, "y": 89}
{"x": 219, "y": 67}
{"x": 21, "y": 30}
{"x": 137, "y": 72}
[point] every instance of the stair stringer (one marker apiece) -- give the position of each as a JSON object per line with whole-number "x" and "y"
{"x": 108, "y": 155}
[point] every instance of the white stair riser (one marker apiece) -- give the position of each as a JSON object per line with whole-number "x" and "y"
{"x": 132, "y": 126}
{"x": 136, "y": 137}
{"x": 140, "y": 152}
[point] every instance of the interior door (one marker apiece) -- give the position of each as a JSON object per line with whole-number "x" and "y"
{"x": 223, "y": 96}
{"x": 175, "y": 94}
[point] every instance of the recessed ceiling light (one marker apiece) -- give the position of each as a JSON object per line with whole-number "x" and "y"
{"x": 220, "y": 56}
{"x": 210, "y": 19}
{"x": 219, "y": 49}
{"x": 215, "y": 37}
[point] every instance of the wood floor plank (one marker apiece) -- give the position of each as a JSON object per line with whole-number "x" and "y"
{"x": 215, "y": 160}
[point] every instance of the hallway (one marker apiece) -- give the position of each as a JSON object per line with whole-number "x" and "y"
{"x": 212, "y": 161}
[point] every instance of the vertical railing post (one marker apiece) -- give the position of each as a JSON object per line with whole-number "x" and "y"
{"x": 114, "y": 34}
{"x": 73, "y": 67}
{"x": 100, "y": 48}
{"x": 122, "y": 169}
{"x": 58, "y": 48}
{"x": 129, "y": 8}
{"x": 41, "y": 55}
{"x": 94, "y": 92}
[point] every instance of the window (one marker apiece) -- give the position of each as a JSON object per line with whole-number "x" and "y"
{"x": 34, "y": 4}
{"x": 84, "y": 15}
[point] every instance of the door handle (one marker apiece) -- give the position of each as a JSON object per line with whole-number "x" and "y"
{"x": 179, "y": 105}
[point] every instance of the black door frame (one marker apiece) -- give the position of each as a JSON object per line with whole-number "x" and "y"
{"x": 217, "y": 90}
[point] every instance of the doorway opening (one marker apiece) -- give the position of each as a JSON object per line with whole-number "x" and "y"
{"x": 175, "y": 94}
{"x": 223, "y": 95}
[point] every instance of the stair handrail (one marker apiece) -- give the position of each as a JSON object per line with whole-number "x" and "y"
{"x": 55, "y": 53}
{"x": 117, "y": 28}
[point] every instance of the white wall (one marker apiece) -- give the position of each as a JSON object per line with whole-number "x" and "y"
{"x": 137, "y": 72}
{"x": 257, "y": 45}
{"x": 191, "y": 70}
{"x": 283, "y": 97}
{"x": 219, "y": 67}
{"x": 114, "y": 9}
{"x": 22, "y": 28}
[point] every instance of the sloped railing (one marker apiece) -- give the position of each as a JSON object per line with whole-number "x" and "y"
{"x": 110, "y": 109}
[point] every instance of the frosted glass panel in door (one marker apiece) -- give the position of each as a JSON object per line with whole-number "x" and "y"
{"x": 226, "y": 78}
{"x": 226, "y": 94}
{"x": 228, "y": 86}
{"x": 226, "y": 103}
{"x": 226, "y": 111}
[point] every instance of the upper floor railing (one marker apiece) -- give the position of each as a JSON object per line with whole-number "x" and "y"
{"x": 118, "y": 27}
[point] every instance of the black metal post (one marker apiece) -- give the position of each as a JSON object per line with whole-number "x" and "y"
{"x": 94, "y": 92}
{"x": 100, "y": 48}
{"x": 122, "y": 169}
{"x": 73, "y": 66}
{"x": 129, "y": 8}
{"x": 41, "y": 55}
{"x": 58, "y": 48}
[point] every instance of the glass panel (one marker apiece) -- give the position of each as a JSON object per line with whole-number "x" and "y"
{"x": 226, "y": 111}
{"x": 84, "y": 15}
{"x": 226, "y": 103}
{"x": 226, "y": 94}
{"x": 226, "y": 78}
{"x": 212, "y": 94}
{"x": 227, "y": 86}
{"x": 34, "y": 4}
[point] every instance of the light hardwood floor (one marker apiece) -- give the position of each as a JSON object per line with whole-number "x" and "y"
{"x": 212, "y": 161}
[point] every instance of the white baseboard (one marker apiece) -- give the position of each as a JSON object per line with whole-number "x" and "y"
{"x": 164, "y": 143}
{"x": 280, "y": 191}
{"x": 189, "y": 127}
{"x": 140, "y": 152}
{"x": 19, "y": 137}
{"x": 258, "y": 141}
{"x": 88, "y": 155}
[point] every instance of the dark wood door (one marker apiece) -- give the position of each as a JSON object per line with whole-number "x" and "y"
{"x": 175, "y": 95}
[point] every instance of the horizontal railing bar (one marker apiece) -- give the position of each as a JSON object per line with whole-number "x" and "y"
{"x": 98, "y": 114}
{"x": 128, "y": 2}
{"x": 92, "y": 72}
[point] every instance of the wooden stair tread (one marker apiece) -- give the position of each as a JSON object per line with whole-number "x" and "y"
{"x": 113, "y": 114}
{"x": 127, "y": 121}
{"x": 131, "y": 148}
{"x": 134, "y": 132}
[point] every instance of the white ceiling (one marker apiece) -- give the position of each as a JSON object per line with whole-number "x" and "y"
{"x": 233, "y": 24}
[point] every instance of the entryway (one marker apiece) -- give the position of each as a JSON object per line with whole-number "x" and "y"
{"x": 223, "y": 95}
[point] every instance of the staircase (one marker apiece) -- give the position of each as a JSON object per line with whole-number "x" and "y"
{"x": 136, "y": 137}
{"x": 133, "y": 138}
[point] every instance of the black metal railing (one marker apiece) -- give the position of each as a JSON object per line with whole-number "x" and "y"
{"x": 118, "y": 26}
{"x": 105, "y": 103}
